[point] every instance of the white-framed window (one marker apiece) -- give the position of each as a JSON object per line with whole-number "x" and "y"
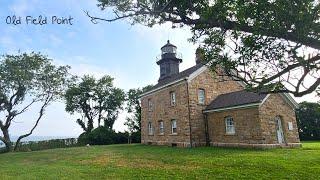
{"x": 161, "y": 127}
{"x": 150, "y": 105}
{"x": 150, "y": 128}
{"x": 201, "y": 96}
{"x": 174, "y": 126}
{"x": 172, "y": 98}
{"x": 230, "y": 129}
{"x": 290, "y": 126}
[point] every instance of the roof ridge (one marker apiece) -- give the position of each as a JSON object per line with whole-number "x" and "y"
{"x": 235, "y": 98}
{"x": 174, "y": 78}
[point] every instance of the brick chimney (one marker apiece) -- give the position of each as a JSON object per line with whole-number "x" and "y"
{"x": 199, "y": 55}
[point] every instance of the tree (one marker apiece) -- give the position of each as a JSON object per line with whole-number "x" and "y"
{"x": 269, "y": 45}
{"x": 308, "y": 117}
{"x": 94, "y": 100}
{"x": 26, "y": 80}
{"x": 134, "y": 108}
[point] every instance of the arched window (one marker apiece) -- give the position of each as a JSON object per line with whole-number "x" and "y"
{"x": 229, "y": 125}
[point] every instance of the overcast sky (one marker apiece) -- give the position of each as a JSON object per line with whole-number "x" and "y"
{"x": 127, "y": 53}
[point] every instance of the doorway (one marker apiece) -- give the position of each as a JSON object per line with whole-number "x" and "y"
{"x": 280, "y": 135}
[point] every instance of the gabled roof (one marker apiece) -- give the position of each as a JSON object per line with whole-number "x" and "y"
{"x": 182, "y": 75}
{"x": 236, "y": 99}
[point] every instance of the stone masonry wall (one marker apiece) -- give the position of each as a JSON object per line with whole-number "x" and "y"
{"x": 246, "y": 123}
{"x": 274, "y": 106}
{"x": 213, "y": 86}
{"x": 162, "y": 110}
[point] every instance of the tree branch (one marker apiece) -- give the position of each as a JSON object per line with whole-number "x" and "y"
{"x": 1, "y": 124}
{"x": 210, "y": 23}
{"x": 41, "y": 112}
{"x": 26, "y": 107}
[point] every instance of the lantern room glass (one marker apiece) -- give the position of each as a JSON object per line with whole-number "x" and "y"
{"x": 169, "y": 49}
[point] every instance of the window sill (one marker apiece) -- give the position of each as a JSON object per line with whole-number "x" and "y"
{"x": 174, "y": 134}
{"x": 150, "y": 134}
{"x": 161, "y": 134}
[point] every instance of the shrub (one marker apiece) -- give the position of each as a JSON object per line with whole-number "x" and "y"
{"x": 136, "y": 137}
{"x": 47, "y": 144}
{"x": 103, "y": 136}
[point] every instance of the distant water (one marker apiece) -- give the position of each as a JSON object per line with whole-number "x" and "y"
{"x": 36, "y": 138}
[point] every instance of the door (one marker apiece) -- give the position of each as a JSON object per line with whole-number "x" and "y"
{"x": 280, "y": 134}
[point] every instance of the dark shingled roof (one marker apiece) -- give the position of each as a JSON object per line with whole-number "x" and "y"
{"x": 181, "y": 75}
{"x": 235, "y": 99}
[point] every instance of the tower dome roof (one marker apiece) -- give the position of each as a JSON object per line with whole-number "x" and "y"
{"x": 168, "y": 45}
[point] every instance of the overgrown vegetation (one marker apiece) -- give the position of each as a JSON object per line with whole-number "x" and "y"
{"x": 156, "y": 162}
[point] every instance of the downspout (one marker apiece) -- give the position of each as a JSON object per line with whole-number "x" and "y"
{"x": 189, "y": 112}
{"x": 206, "y": 130}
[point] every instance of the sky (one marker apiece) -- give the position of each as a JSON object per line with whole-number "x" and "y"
{"x": 127, "y": 53}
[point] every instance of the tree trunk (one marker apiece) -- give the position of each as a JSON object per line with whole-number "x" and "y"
{"x": 6, "y": 140}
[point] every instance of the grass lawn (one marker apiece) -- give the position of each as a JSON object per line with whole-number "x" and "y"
{"x": 153, "y": 162}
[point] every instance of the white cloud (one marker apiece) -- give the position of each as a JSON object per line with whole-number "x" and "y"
{"x": 54, "y": 40}
{"x": 6, "y": 42}
{"x": 22, "y": 7}
{"x": 313, "y": 97}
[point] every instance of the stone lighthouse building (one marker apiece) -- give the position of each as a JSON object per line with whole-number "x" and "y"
{"x": 195, "y": 108}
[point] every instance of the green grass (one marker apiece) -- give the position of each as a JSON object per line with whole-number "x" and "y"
{"x": 155, "y": 162}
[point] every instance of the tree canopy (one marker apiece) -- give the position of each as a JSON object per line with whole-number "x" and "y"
{"x": 26, "y": 80}
{"x": 308, "y": 118}
{"x": 95, "y": 100}
{"x": 269, "y": 45}
{"x": 134, "y": 108}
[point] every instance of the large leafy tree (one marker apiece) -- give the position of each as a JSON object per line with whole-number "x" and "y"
{"x": 95, "y": 100}
{"x": 134, "y": 108}
{"x": 308, "y": 117}
{"x": 27, "y": 80}
{"x": 268, "y": 44}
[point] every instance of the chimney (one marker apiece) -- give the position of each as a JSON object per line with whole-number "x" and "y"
{"x": 199, "y": 55}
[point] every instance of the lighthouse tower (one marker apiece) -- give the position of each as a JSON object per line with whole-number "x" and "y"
{"x": 169, "y": 62}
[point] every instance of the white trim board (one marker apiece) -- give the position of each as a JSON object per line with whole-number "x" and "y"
{"x": 264, "y": 100}
{"x": 162, "y": 87}
{"x": 188, "y": 78}
{"x": 287, "y": 97}
{"x": 196, "y": 73}
{"x": 234, "y": 107}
